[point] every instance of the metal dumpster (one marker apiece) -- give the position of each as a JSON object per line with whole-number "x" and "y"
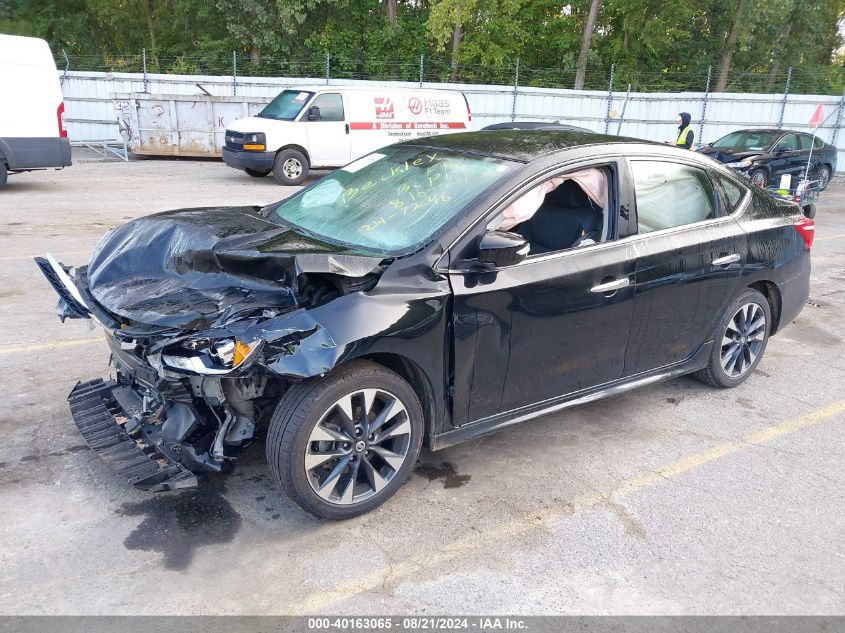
{"x": 179, "y": 125}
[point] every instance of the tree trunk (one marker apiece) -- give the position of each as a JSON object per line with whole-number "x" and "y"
{"x": 148, "y": 6}
{"x": 255, "y": 55}
{"x": 782, "y": 40}
{"x": 730, "y": 44}
{"x": 586, "y": 38}
{"x": 457, "y": 34}
{"x": 390, "y": 5}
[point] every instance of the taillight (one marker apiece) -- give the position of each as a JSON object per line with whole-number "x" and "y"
{"x": 807, "y": 230}
{"x": 466, "y": 101}
{"x": 60, "y": 115}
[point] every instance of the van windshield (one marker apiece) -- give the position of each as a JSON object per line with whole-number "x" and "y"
{"x": 391, "y": 201}
{"x": 286, "y": 106}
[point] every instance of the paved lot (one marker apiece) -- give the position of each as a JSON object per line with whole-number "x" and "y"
{"x": 673, "y": 499}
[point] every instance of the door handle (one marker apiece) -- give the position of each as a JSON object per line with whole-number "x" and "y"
{"x": 347, "y": 128}
{"x": 611, "y": 286}
{"x": 724, "y": 260}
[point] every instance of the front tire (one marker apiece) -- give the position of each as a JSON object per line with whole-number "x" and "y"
{"x": 739, "y": 341}
{"x": 759, "y": 178}
{"x": 290, "y": 168}
{"x": 256, "y": 173}
{"x": 342, "y": 445}
{"x": 4, "y": 174}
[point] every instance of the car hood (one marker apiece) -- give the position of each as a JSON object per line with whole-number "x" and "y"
{"x": 192, "y": 268}
{"x": 728, "y": 154}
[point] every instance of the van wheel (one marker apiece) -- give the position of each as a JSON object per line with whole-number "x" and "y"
{"x": 290, "y": 167}
{"x": 4, "y": 174}
{"x": 341, "y": 445}
{"x": 256, "y": 173}
{"x": 739, "y": 341}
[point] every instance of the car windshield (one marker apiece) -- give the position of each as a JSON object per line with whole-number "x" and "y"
{"x": 750, "y": 141}
{"x": 391, "y": 201}
{"x": 286, "y": 106}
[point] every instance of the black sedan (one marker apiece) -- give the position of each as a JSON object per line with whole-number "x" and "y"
{"x": 765, "y": 155}
{"x": 551, "y": 126}
{"x": 428, "y": 293}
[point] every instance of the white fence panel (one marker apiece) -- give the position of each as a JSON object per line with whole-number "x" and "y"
{"x": 90, "y": 113}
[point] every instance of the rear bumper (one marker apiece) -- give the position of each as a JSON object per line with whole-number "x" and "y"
{"x": 99, "y": 410}
{"x": 24, "y": 153}
{"x": 240, "y": 159}
{"x": 794, "y": 294}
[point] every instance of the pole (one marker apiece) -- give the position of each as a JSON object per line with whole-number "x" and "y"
{"x": 785, "y": 95}
{"x": 515, "y": 90}
{"x": 609, "y": 98}
{"x": 144, "y": 56}
{"x": 67, "y": 67}
{"x": 421, "y": 70}
{"x": 234, "y": 73}
{"x": 704, "y": 107}
{"x": 624, "y": 105}
{"x": 838, "y": 119}
{"x": 328, "y": 67}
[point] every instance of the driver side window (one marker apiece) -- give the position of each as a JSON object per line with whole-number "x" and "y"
{"x": 563, "y": 212}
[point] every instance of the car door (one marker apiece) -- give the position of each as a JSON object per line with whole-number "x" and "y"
{"x": 553, "y": 324}
{"x": 327, "y": 130}
{"x": 784, "y": 162}
{"x": 690, "y": 254}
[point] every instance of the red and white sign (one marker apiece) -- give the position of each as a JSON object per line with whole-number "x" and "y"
{"x": 409, "y": 125}
{"x": 384, "y": 107}
{"x": 415, "y": 105}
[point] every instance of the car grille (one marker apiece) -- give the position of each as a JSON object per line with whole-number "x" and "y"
{"x": 234, "y": 140}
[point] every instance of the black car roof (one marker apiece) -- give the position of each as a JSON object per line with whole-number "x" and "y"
{"x": 520, "y": 145}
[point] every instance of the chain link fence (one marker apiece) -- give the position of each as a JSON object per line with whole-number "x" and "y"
{"x": 422, "y": 70}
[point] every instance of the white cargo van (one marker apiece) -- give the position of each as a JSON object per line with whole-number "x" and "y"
{"x": 323, "y": 126}
{"x": 32, "y": 130}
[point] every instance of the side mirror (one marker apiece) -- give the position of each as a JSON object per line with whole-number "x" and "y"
{"x": 501, "y": 248}
{"x": 314, "y": 113}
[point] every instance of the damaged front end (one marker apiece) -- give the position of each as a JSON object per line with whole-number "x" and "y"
{"x": 199, "y": 371}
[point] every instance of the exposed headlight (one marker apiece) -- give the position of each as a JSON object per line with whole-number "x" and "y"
{"x": 743, "y": 163}
{"x": 207, "y": 356}
{"x": 255, "y": 142}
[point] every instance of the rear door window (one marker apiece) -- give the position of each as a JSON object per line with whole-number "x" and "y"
{"x": 670, "y": 195}
{"x": 732, "y": 193}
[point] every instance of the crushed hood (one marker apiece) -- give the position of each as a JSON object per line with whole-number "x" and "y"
{"x": 728, "y": 154}
{"x": 188, "y": 268}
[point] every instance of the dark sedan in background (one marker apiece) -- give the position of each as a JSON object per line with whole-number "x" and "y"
{"x": 428, "y": 293}
{"x": 764, "y": 155}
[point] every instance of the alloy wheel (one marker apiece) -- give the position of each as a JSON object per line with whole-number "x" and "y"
{"x": 292, "y": 168}
{"x": 759, "y": 178}
{"x": 743, "y": 340}
{"x": 824, "y": 177}
{"x": 358, "y": 446}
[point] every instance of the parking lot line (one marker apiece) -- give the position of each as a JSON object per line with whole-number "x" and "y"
{"x": 34, "y": 347}
{"x": 830, "y": 237}
{"x": 323, "y": 600}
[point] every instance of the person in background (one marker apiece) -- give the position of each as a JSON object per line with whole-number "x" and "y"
{"x": 685, "y": 133}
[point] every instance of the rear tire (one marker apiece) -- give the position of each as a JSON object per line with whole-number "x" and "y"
{"x": 823, "y": 177}
{"x": 740, "y": 339}
{"x": 337, "y": 465}
{"x": 290, "y": 168}
{"x": 257, "y": 173}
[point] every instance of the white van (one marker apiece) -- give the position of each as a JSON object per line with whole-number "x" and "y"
{"x": 32, "y": 129}
{"x": 323, "y": 126}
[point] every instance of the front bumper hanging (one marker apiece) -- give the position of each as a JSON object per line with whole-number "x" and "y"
{"x": 100, "y": 417}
